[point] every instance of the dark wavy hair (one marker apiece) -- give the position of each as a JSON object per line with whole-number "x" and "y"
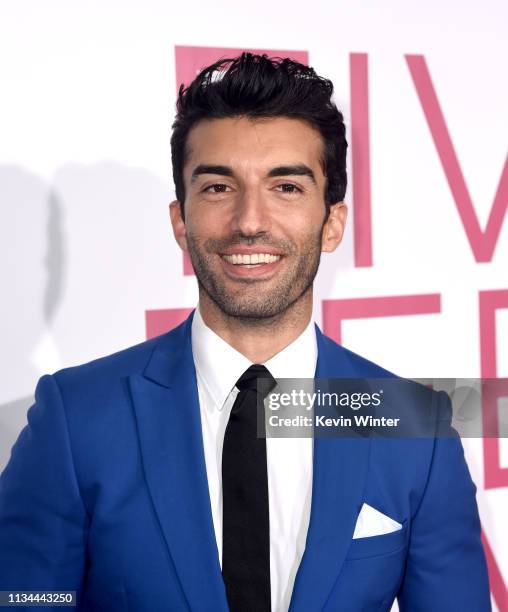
{"x": 258, "y": 86}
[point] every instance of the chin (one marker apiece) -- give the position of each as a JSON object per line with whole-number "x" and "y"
{"x": 242, "y": 310}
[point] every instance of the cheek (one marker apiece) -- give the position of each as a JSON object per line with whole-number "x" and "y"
{"x": 201, "y": 226}
{"x": 206, "y": 219}
{"x": 303, "y": 228}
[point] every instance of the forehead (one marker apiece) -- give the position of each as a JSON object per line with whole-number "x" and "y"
{"x": 243, "y": 142}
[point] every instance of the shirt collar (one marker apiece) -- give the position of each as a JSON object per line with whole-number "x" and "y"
{"x": 219, "y": 365}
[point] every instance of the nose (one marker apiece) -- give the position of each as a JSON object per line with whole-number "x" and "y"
{"x": 251, "y": 214}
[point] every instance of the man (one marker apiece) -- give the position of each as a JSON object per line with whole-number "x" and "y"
{"x": 139, "y": 481}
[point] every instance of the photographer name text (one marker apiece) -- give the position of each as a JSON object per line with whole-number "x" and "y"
{"x": 360, "y": 420}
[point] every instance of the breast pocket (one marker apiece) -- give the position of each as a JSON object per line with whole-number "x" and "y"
{"x": 374, "y": 546}
{"x": 371, "y": 574}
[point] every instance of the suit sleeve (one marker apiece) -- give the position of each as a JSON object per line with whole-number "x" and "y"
{"x": 446, "y": 569}
{"x": 43, "y": 522}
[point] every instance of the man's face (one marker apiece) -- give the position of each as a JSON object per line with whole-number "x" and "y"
{"x": 254, "y": 212}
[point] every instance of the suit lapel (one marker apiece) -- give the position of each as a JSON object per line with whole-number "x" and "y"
{"x": 166, "y": 405}
{"x": 339, "y": 474}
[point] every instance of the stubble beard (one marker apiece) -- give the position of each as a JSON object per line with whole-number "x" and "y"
{"x": 256, "y": 304}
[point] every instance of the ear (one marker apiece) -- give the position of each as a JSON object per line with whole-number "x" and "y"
{"x": 333, "y": 229}
{"x": 175, "y": 213}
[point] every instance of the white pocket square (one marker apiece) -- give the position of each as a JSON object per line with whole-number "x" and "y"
{"x": 371, "y": 522}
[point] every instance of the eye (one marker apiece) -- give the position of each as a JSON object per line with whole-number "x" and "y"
{"x": 289, "y": 188}
{"x": 216, "y": 188}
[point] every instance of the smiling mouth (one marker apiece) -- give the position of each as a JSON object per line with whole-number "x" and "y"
{"x": 252, "y": 260}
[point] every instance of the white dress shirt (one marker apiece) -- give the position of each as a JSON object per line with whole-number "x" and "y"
{"x": 289, "y": 460}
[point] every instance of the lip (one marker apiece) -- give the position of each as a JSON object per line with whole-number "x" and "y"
{"x": 258, "y": 271}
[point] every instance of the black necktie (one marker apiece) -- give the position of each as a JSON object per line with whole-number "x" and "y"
{"x": 246, "y": 521}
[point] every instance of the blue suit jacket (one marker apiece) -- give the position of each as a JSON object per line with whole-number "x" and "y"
{"x": 106, "y": 493}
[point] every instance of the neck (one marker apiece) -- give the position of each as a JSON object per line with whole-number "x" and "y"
{"x": 258, "y": 339}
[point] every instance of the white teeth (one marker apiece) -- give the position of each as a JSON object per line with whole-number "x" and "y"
{"x": 255, "y": 258}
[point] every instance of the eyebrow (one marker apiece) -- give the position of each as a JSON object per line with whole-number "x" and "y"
{"x": 289, "y": 170}
{"x": 293, "y": 170}
{"x": 208, "y": 169}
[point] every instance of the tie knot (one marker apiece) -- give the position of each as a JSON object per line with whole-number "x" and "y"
{"x": 257, "y": 378}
